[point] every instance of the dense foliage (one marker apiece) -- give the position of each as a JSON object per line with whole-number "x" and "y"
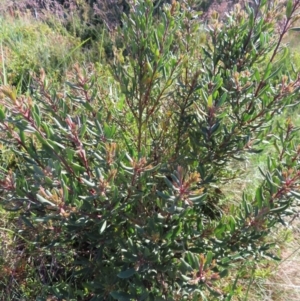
{"x": 120, "y": 178}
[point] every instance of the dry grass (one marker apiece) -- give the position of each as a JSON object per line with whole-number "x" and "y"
{"x": 284, "y": 284}
{"x": 280, "y": 281}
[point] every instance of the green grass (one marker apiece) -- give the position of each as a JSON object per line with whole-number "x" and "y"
{"x": 28, "y": 45}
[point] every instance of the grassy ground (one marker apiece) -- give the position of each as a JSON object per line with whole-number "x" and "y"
{"x": 280, "y": 281}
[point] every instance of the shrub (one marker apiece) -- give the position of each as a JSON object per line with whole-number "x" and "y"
{"x": 120, "y": 181}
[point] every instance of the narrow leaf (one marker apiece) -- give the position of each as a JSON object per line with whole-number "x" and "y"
{"x": 103, "y": 227}
{"x": 44, "y": 201}
{"x": 126, "y": 274}
{"x": 289, "y": 8}
{"x": 2, "y": 115}
{"x": 121, "y": 296}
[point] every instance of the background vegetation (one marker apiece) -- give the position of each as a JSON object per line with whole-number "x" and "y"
{"x": 147, "y": 154}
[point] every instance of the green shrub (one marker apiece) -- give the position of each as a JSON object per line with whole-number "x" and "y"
{"x": 119, "y": 181}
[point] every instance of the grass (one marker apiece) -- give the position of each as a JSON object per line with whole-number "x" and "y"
{"x": 280, "y": 281}
{"x": 28, "y": 44}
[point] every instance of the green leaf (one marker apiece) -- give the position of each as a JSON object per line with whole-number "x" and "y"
{"x": 232, "y": 223}
{"x": 213, "y": 292}
{"x": 109, "y": 130}
{"x": 280, "y": 209}
{"x": 126, "y": 167}
{"x": 27, "y": 222}
{"x": 46, "y": 129}
{"x": 267, "y": 72}
{"x": 208, "y": 259}
{"x": 169, "y": 183}
{"x": 272, "y": 256}
{"x": 210, "y": 101}
{"x": 103, "y": 227}
{"x": 270, "y": 182}
{"x": 65, "y": 191}
{"x": 184, "y": 266}
{"x": 176, "y": 231}
{"x": 207, "y": 53}
{"x": 22, "y": 137}
{"x": 222, "y": 99}
{"x": 295, "y": 194}
{"x": 54, "y": 144}
{"x": 251, "y": 18}
{"x": 2, "y": 115}
{"x": 289, "y": 8}
{"x": 87, "y": 182}
{"x": 184, "y": 277}
{"x": 77, "y": 167}
{"x": 263, "y": 3}
{"x": 259, "y": 197}
{"x": 42, "y": 139}
{"x": 220, "y": 229}
{"x": 257, "y": 75}
{"x": 261, "y": 171}
{"x": 36, "y": 116}
{"x": 121, "y": 296}
{"x": 44, "y": 201}
{"x": 248, "y": 208}
{"x": 99, "y": 128}
{"x": 273, "y": 74}
{"x": 224, "y": 273}
{"x": 82, "y": 130}
{"x": 193, "y": 260}
{"x": 198, "y": 199}
{"x": 163, "y": 195}
{"x": 168, "y": 234}
{"x": 126, "y": 274}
